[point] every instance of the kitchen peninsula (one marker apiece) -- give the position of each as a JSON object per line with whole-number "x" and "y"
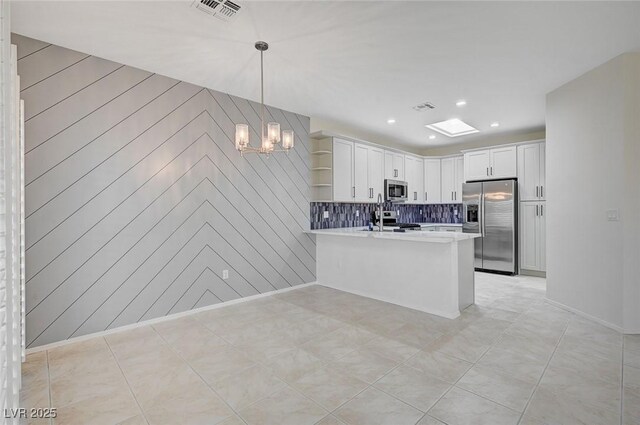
{"x": 427, "y": 271}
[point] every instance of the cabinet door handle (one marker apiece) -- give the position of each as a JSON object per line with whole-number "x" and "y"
{"x": 487, "y": 171}
{"x": 537, "y": 195}
{"x": 536, "y": 210}
{"x": 452, "y": 196}
{"x": 541, "y": 188}
{"x": 425, "y": 196}
{"x": 541, "y": 210}
{"x": 415, "y": 196}
{"x": 491, "y": 171}
{"x": 353, "y": 192}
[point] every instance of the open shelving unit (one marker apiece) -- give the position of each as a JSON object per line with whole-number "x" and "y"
{"x": 321, "y": 170}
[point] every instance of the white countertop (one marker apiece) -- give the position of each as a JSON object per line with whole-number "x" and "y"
{"x": 409, "y": 235}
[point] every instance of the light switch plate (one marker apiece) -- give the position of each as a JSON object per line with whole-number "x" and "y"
{"x": 225, "y": 274}
{"x": 613, "y": 215}
{"x": 357, "y": 213}
{"x": 325, "y": 214}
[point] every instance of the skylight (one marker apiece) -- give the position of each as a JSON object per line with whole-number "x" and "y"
{"x": 452, "y": 128}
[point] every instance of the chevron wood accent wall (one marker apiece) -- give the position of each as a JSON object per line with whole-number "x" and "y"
{"x": 136, "y": 198}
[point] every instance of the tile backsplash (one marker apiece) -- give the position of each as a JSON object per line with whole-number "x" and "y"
{"x": 342, "y": 214}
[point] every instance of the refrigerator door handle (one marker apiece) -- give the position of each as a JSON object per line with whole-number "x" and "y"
{"x": 482, "y": 229}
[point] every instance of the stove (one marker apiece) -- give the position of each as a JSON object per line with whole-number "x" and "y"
{"x": 390, "y": 221}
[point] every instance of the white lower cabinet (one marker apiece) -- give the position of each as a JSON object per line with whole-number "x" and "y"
{"x": 533, "y": 236}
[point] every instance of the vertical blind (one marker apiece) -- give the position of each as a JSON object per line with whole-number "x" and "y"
{"x": 12, "y": 288}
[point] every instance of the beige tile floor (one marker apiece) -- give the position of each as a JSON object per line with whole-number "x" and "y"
{"x": 319, "y": 356}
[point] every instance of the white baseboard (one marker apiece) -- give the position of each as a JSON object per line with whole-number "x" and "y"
{"x": 587, "y": 316}
{"x": 161, "y": 319}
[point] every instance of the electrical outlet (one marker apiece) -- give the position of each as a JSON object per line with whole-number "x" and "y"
{"x": 613, "y": 215}
{"x": 420, "y": 211}
{"x": 225, "y": 274}
{"x": 357, "y": 213}
{"x": 325, "y": 214}
{"x": 398, "y": 212}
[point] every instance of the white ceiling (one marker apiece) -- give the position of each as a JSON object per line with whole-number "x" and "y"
{"x": 359, "y": 63}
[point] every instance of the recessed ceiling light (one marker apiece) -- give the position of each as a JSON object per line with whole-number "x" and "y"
{"x": 495, "y": 124}
{"x": 452, "y": 128}
{"x": 461, "y": 103}
{"x": 432, "y": 137}
{"x": 391, "y": 121}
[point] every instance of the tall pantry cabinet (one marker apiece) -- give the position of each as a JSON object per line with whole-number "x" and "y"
{"x": 533, "y": 209}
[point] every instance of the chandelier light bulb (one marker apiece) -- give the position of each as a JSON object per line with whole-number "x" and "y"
{"x": 287, "y": 139}
{"x": 273, "y": 132}
{"x": 242, "y": 136}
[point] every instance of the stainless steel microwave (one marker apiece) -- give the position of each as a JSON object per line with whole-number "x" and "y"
{"x": 395, "y": 190}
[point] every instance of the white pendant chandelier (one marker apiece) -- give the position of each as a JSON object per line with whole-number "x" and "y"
{"x": 270, "y": 136}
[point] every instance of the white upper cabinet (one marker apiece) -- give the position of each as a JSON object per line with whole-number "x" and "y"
{"x": 477, "y": 165}
{"x": 361, "y": 188}
{"x": 343, "y": 154}
{"x": 495, "y": 163}
{"x": 531, "y": 172}
{"x": 459, "y": 179}
{"x": 432, "y": 181}
{"x": 376, "y": 172}
{"x": 414, "y": 175}
{"x": 357, "y": 172}
{"x": 503, "y": 162}
{"x": 394, "y": 166}
{"x": 452, "y": 172}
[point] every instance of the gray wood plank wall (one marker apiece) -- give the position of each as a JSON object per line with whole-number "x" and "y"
{"x": 136, "y": 198}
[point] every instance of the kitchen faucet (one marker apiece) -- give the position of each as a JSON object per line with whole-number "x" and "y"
{"x": 380, "y": 215}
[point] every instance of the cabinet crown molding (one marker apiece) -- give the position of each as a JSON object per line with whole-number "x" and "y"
{"x": 504, "y": 145}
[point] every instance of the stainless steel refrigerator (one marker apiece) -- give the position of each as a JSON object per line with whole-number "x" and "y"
{"x": 491, "y": 208}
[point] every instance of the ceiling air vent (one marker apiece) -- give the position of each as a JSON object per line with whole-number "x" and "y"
{"x": 424, "y": 106}
{"x": 222, "y": 9}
